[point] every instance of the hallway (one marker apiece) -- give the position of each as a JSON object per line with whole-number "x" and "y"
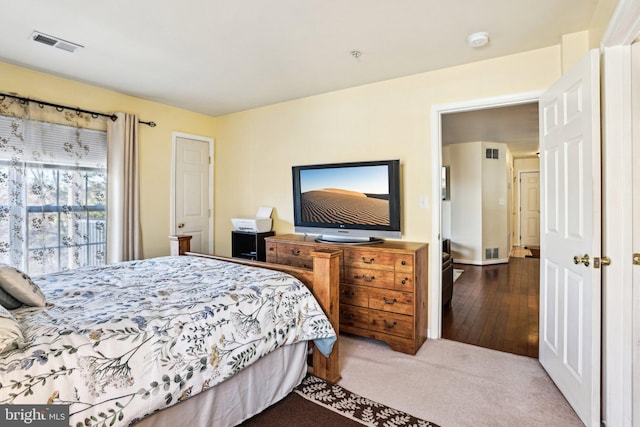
{"x": 496, "y": 306}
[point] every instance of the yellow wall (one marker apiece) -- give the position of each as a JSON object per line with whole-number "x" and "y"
{"x": 155, "y": 143}
{"x": 255, "y": 149}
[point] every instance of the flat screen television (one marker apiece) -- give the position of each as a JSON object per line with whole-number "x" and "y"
{"x": 356, "y": 202}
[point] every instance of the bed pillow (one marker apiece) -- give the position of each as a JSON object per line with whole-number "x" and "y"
{"x": 20, "y": 286}
{"x": 10, "y": 333}
{"x": 7, "y": 301}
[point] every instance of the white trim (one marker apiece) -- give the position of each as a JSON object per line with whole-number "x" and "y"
{"x": 621, "y": 406}
{"x": 635, "y": 285}
{"x": 481, "y": 262}
{"x": 172, "y": 189}
{"x": 624, "y": 25}
{"x": 435, "y": 276}
{"x": 617, "y": 166}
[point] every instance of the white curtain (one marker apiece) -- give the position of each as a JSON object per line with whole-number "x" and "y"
{"x": 52, "y": 187}
{"x": 124, "y": 238}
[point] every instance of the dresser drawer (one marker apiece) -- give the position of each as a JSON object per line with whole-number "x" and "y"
{"x": 391, "y": 323}
{"x": 354, "y": 295}
{"x": 404, "y": 282}
{"x": 354, "y": 316}
{"x": 393, "y": 301}
{"x": 404, "y": 262}
{"x": 369, "y": 259}
{"x": 294, "y": 255}
{"x": 369, "y": 277}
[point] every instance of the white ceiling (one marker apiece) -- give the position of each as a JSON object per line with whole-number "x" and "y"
{"x": 516, "y": 126}
{"x": 223, "y": 56}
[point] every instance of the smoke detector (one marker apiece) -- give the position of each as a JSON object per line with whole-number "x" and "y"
{"x": 55, "y": 42}
{"x": 478, "y": 39}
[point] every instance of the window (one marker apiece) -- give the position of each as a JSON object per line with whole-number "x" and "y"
{"x": 53, "y": 186}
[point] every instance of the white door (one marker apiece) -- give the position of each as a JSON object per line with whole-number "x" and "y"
{"x": 570, "y": 297}
{"x": 192, "y": 191}
{"x": 530, "y": 208}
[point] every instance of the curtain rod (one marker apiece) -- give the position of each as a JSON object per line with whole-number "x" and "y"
{"x": 59, "y": 107}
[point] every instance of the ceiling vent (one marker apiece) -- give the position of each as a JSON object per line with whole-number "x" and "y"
{"x": 55, "y": 42}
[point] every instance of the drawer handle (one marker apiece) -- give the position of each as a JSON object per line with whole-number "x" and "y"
{"x": 404, "y": 281}
{"x": 347, "y": 315}
{"x": 403, "y": 262}
{"x": 271, "y": 248}
{"x": 348, "y": 294}
{"x": 393, "y": 301}
{"x": 295, "y": 253}
{"x": 389, "y": 325}
{"x": 365, "y": 278}
{"x": 368, "y": 262}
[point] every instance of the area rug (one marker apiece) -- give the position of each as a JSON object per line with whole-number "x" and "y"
{"x": 457, "y": 273}
{"x": 535, "y": 252}
{"x": 316, "y": 402}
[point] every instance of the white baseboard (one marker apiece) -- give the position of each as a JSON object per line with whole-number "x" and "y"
{"x": 481, "y": 262}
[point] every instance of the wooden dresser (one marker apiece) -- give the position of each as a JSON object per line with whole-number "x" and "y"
{"x": 383, "y": 286}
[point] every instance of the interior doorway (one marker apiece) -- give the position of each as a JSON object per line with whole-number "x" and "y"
{"x": 510, "y": 202}
{"x": 492, "y": 220}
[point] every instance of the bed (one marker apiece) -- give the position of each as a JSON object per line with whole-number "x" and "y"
{"x": 187, "y": 339}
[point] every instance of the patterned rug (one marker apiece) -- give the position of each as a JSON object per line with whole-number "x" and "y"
{"x": 350, "y": 405}
{"x": 316, "y": 402}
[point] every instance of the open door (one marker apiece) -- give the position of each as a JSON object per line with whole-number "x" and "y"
{"x": 570, "y": 293}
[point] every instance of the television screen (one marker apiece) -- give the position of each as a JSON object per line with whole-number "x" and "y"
{"x": 357, "y": 201}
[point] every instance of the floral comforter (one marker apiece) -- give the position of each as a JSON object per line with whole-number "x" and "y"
{"x": 119, "y": 342}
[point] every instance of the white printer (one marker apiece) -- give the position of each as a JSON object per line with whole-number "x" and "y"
{"x": 260, "y": 224}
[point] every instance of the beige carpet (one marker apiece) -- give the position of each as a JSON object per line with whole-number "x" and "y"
{"x": 454, "y": 384}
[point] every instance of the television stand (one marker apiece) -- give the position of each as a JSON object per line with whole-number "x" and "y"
{"x": 347, "y": 240}
{"x": 383, "y": 287}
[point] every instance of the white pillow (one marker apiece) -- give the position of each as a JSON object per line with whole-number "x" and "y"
{"x": 7, "y": 301}
{"x": 20, "y": 286}
{"x": 10, "y": 333}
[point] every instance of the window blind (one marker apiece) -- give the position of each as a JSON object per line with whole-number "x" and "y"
{"x": 41, "y": 142}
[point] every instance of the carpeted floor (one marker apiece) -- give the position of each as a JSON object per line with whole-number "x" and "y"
{"x": 447, "y": 383}
{"x": 454, "y": 384}
{"x": 317, "y": 403}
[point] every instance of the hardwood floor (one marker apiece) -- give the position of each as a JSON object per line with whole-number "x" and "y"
{"x": 496, "y": 306}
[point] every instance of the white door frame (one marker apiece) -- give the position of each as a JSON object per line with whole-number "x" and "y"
{"x": 172, "y": 192}
{"x": 617, "y": 135}
{"x": 435, "y": 275}
{"x": 520, "y": 172}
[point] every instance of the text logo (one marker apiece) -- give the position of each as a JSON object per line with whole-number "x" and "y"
{"x": 34, "y": 415}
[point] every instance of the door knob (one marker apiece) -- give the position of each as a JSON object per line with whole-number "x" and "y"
{"x": 180, "y": 224}
{"x": 581, "y": 260}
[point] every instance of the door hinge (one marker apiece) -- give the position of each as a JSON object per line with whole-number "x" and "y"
{"x": 209, "y": 159}
{"x": 636, "y": 259}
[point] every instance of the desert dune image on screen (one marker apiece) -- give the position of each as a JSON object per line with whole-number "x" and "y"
{"x": 345, "y": 195}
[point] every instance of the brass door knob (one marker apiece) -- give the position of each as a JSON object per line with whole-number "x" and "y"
{"x": 581, "y": 260}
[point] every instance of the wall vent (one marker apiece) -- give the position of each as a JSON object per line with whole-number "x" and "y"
{"x": 492, "y": 153}
{"x": 491, "y": 253}
{"x": 55, "y": 42}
